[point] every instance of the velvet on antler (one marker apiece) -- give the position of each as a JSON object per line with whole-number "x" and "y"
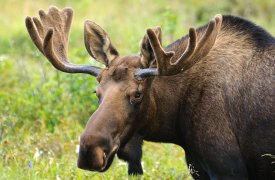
{"x": 193, "y": 53}
{"x": 50, "y": 35}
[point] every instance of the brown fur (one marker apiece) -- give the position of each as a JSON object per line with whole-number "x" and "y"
{"x": 210, "y": 109}
{"x": 220, "y": 110}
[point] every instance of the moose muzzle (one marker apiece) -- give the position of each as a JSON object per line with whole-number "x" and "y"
{"x": 96, "y": 153}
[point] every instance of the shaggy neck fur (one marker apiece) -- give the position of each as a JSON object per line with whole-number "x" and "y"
{"x": 221, "y": 70}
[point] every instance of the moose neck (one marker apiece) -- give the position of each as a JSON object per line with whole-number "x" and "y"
{"x": 162, "y": 115}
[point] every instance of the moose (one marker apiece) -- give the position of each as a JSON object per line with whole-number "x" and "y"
{"x": 212, "y": 92}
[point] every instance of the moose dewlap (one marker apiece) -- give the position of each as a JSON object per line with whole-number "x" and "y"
{"x": 212, "y": 92}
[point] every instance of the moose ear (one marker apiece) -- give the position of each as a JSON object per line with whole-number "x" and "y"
{"x": 147, "y": 54}
{"x": 98, "y": 43}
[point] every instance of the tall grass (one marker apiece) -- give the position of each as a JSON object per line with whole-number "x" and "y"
{"x": 43, "y": 111}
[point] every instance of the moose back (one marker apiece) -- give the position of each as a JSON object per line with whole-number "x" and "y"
{"x": 212, "y": 92}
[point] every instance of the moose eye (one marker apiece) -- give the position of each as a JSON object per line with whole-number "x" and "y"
{"x": 138, "y": 94}
{"x": 136, "y": 97}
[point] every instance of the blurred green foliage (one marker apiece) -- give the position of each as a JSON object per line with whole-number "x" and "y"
{"x": 44, "y": 111}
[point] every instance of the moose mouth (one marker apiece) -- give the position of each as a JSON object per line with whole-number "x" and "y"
{"x": 108, "y": 159}
{"x": 90, "y": 162}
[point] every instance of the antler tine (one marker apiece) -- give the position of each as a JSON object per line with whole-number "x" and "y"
{"x": 160, "y": 55}
{"x": 192, "y": 42}
{"x": 34, "y": 34}
{"x": 164, "y": 64}
{"x": 193, "y": 53}
{"x": 209, "y": 36}
{"x": 50, "y": 35}
{"x": 39, "y": 26}
{"x": 204, "y": 46}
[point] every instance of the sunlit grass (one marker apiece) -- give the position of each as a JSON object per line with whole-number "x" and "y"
{"x": 34, "y": 153}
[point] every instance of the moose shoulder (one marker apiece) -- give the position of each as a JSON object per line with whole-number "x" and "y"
{"x": 211, "y": 92}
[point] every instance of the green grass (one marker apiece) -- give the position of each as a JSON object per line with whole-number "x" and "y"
{"x": 43, "y": 111}
{"x": 54, "y": 155}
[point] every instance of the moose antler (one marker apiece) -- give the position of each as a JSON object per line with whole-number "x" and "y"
{"x": 50, "y": 35}
{"x": 193, "y": 53}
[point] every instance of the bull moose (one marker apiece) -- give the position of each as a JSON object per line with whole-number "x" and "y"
{"x": 212, "y": 92}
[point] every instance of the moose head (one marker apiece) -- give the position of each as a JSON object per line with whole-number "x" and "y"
{"x": 126, "y": 83}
